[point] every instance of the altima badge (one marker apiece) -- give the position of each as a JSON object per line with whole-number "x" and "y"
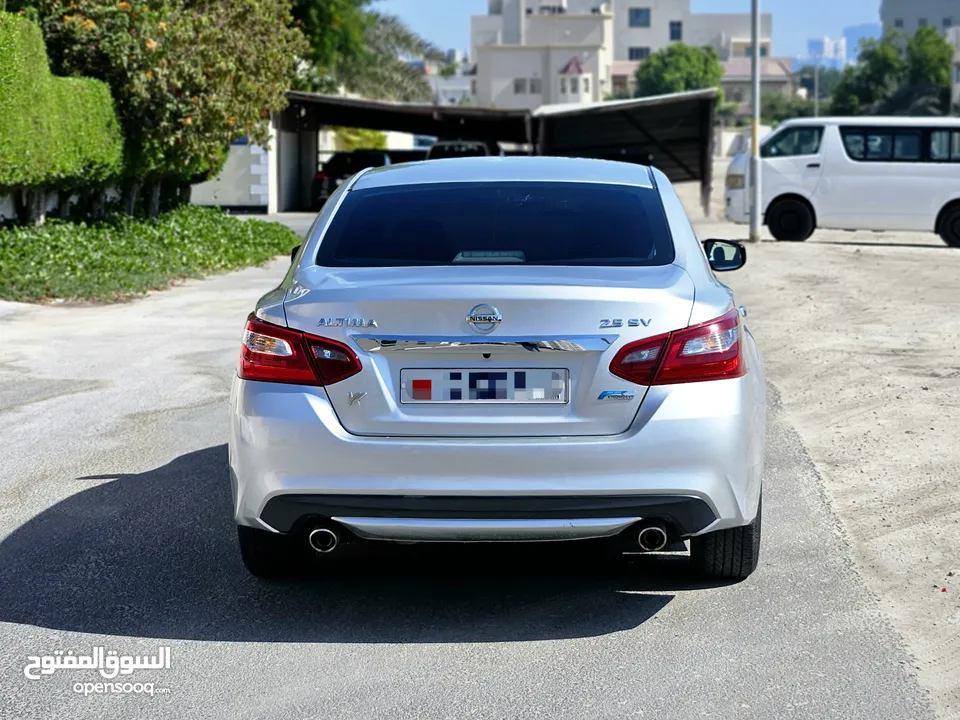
{"x": 356, "y": 397}
{"x": 346, "y": 322}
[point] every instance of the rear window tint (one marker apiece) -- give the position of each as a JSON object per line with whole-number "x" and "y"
{"x": 545, "y": 223}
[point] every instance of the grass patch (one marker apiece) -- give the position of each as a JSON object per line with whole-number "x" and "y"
{"x": 123, "y": 256}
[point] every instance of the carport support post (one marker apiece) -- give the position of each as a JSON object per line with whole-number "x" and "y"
{"x": 755, "y": 136}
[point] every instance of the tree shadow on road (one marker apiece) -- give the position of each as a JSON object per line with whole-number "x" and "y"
{"x": 155, "y": 555}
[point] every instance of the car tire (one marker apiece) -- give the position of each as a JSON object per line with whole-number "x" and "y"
{"x": 730, "y": 554}
{"x": 790, "y": 220}
{"x": 265, "y": 554}
{"x": 950, "y": 226}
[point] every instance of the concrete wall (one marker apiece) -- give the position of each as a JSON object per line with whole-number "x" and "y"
{"x": 241, "y": 183}
{"x": 723, "y": 30}
{"x": 565, "y": 30}
{"x": 498, "y": 66}
{"x": 485, "y": 30}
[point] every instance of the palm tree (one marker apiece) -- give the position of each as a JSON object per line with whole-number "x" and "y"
{"x": 382, "y": 72}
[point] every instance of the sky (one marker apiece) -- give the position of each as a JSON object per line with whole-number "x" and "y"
{"x": 447, "y": 22}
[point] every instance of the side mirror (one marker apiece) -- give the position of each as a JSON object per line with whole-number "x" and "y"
{"x": 293, "y": 254}
{"x": 725, "y": 255}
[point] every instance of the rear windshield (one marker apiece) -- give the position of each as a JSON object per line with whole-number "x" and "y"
{"x": 533, "y": 223}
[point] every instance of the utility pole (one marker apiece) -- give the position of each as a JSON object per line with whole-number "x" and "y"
{"x": 816, "y": 88}
{"x": 755, "y": 209}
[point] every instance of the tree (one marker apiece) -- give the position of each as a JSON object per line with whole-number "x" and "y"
{"x": 382, "y": 72}
{"x": 895, "y": 76}
{"x": 828, "y": 81}
{"x": 336, "y": 31}
{"x": 361, "y": 51}
{"x": 775, "y": 108}
{"x": 188, "y": 76}
{"x": 678, "y": 68}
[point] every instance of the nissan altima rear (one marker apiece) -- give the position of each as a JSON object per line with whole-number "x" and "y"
{"x": 500, "y": 350}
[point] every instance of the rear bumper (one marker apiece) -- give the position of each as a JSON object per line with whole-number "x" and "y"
{"x": 692, "y": 457}
{"x": 735, "y": 206}
{"x": 451, "y": 517}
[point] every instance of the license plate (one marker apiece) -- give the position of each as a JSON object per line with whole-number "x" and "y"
{"x": 484, "y": 386}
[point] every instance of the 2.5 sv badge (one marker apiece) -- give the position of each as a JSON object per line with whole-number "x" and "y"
{"x": 630, "y": 322}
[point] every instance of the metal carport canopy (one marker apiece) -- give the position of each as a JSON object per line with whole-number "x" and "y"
{"x": 311, "y": 111}
{"x": 674, "y": 133}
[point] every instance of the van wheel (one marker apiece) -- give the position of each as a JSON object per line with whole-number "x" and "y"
{"x": 950, "y": 226}
{"x": 728, "y": 554}
{"x": 790, "y": 220}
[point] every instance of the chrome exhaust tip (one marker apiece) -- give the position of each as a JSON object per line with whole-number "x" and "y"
{"x": 323, "y": 540}
{"x": 652, "y": 537}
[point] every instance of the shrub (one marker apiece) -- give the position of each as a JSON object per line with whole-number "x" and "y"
{"x": 123, "y": 256}
{"x": 54, "y": 132}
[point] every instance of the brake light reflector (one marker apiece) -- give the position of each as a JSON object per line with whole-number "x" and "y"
{"x": 271, "y": 353}
{"x": 333, "y": 361}
{"x": 638, "y": 361}
{"x": 709, "y": 351}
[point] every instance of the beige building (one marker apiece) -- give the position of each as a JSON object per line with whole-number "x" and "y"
{"x": 531, "y": 56}
{"x": 908, "y": 15}
{"x": 524, "y": 48}
{"x": 776, "y": 78}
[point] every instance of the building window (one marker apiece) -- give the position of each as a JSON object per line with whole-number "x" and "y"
{"x": 738, "y": 96}
{"x": 638, "y": 53}
{"x": 586, "y": 85}
{"x": 639, "y": 17}
{"x": 574, "y": 86}
{"x": 956, "y": 74}
{"x": 921, "y": 22}
{"x": 563, "y": 85}
{"x": 676, "y": 30}
{"x": 520, "y": 86}
{"x": 763, "y": 51}
{"x": 948, "y": 22}
{"x": 898, "y": 23}
{"x": 535, "y": 86}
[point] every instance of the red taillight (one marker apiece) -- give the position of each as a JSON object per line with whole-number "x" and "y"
{"x": 320, "y": 176}
{"x": 276, "y": 354}
{"x": 709, "y": 351}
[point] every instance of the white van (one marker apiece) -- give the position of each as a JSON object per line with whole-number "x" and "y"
{"x": 855, "y": 173}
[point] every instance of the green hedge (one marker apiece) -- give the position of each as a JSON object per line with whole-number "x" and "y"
{"x": 124, "y": 256}
{"x": 54, "y": 132}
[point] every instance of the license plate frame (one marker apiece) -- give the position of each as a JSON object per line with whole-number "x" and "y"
{"x": 444, "y": 381}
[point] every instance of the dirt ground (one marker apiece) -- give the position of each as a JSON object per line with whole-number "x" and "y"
{"x": 860, "y": 333}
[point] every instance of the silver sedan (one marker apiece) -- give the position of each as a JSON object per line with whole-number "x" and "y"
{"x": 500, "y": 349}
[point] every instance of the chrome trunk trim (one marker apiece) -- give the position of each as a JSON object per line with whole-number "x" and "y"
{"x": 397, "y": 343}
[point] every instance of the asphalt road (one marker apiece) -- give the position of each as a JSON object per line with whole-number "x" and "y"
{"x": 115, "y": 531}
